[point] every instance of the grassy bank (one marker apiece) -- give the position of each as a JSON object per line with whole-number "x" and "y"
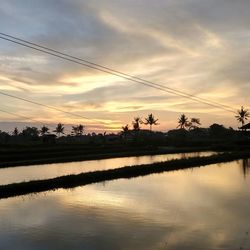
{"x": 31, "y": 156}
{"x": 71, "y": 181}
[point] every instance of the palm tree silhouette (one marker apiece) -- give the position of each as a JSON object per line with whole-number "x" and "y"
{"x": 80, "y": 129}
{"x": 59, "y": 129}
{"x": 74, "y": 130}
{"x": 125, "y": 130}
{"x": 183, "y": 122}
{"x": 242, "y": 115}
{"x": 44, "y": 130}
{"x": 195, "y": 122}
{"x": 136, "y": 123}
{"x": 151, "y": 121}
{"x": 77, "y": 130}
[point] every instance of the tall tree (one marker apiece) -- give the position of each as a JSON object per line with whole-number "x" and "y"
{"x": 242, "y": 115}
{"x": 150, "y": 120}
{"x": 136, "y": 123}
{"x": 44, "y": 130}
{"x": 183, "y": 122}
{"x": 59, "y": 129}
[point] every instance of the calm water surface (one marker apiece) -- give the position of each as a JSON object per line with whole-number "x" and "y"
{"x": 19, "y": 174}
{"x": 200, "y": 208}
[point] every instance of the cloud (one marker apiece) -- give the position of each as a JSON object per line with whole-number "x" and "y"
{"x": 194, "y": 46}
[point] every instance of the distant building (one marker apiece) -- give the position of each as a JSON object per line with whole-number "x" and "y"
{"x": 245, "y": 127}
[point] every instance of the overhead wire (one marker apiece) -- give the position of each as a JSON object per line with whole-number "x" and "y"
{"x": 183, "y": 94}
{"x": 21, "y": 116}
{"x": 113, "y": 72}
{"x": 49, "y": 107}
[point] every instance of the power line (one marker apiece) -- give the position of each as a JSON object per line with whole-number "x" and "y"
{"x": 114, "y": 72}
{"x": 173, "y": 91}
{"x": 49, "y": 107}
{"x": 125, "y": 76}
{"x": 20, "y": 116}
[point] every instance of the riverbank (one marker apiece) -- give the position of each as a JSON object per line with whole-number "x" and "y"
{"x": 72, "y": 181}
{"x": 38, "y": 156}
{"x": 16, "y": 156}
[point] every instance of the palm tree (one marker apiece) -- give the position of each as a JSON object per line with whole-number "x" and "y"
{"x": 59, "y": 129}
{"x": 151, "y": 121}
{"x": 80, "y": 129}
{"x": 77, "y": 130}
{"x": 74, "y": 130}
{"x": 136, "y": 123}
{"x": 183, "y": 122}
{"x": 195, "y": 122}
{"x": 125, "y": 129}
{"x": 242, "y": 115}
{"x": 44, "y": 130}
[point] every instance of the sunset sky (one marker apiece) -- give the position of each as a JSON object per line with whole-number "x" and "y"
{"x": 197, "y": 46}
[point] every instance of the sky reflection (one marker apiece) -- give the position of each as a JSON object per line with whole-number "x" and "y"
{"x": 46, "y": 171}
{"x": 201, "y": 208}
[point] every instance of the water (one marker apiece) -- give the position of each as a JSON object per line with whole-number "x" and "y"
{"x": 46, "y": 171}
{"x": 200, "y": 208}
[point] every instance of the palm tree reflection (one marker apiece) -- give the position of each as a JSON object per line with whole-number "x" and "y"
{"x": 245, "y": 167}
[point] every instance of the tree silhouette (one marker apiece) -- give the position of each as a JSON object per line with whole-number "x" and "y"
{"x": 80, "y": 129}
{"x": 242, "y": 115}
{"x": 183, "y": 122}
{"x": 136, "y": 123}
{"x": 195, "y": 122}
{"x": 30, "y": 132}
{"x": 59, "y": 129}
{"x": 44, "y": 130}
{"x": 125, "y": 130}
{"x": 15, "y": 132}
{"x": 74, "y": 130}
{"x": 218, "y": 130}
{"x": 151, "y": 121}
{"x": 77, "y": 130}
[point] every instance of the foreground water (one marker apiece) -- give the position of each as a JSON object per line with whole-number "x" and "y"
{"x": 46, "y": 171}
{"x": 200, "y": 208}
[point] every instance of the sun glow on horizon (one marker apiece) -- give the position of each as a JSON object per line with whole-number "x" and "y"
{"x": 166, "y": 43}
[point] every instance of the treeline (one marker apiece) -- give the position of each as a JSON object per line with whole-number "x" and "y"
{"x": 187, "y": 132}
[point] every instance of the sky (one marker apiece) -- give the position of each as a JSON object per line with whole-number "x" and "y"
{"x": 197, "y": 46}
